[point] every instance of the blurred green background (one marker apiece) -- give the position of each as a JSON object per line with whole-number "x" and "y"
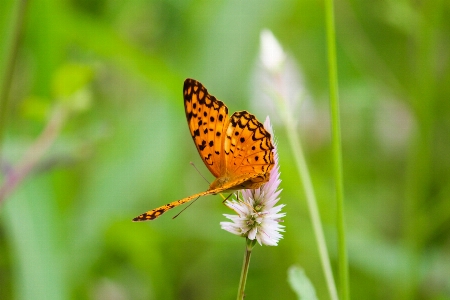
{"x": 119, "y": 67}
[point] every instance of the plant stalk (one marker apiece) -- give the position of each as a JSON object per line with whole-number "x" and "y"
{"x": 302, "y": 168}
{"x": 248, "y": 252}
{"x": 337, "y": 149}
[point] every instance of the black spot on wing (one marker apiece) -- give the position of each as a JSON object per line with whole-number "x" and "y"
{"x": 202, "y": 146}
{"x": 196, "y": 133}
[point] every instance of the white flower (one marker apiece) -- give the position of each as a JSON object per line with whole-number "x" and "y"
{"x": 258, "y": 217}
{"x": 276, "y": 76}
{"x": 272, "y": 54}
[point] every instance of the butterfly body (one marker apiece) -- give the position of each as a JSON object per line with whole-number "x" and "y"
{"x": 237, "y": 150}
{"x": 233, "y": 184}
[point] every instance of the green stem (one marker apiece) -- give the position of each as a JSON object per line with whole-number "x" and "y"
{"x": 312, "y": 205}
{"x": 337, "y": 149}
{"x": 12, "y": 46}
{"x": 302, "y": 168}
{"x": 248, "y": 252}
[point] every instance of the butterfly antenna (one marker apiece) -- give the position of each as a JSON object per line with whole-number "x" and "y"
{"x": 192, "y": 164}
{"x": 185, "y": 208}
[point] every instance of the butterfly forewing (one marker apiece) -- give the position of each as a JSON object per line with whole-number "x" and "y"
{"x": 154, "y": 213}
{"x": 206, "y": 118}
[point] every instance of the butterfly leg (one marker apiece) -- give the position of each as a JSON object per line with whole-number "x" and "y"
{"x": 224, "y": 200}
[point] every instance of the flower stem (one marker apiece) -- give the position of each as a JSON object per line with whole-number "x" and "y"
{"x": 302, "y": 168}
{"x": 248, "y": 252}
{"x": 312, "y": 206}
{"x": 337, "y": 149}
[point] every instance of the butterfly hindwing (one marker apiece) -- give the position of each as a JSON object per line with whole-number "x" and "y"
{"x": 248, "y": 147}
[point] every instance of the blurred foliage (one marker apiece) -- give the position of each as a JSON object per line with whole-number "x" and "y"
{"x": 66, "y": 231}
{"x": 300, "y": 284}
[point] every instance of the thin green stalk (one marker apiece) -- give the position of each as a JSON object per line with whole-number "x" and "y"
{"x": 248, "y": 252}
{"x": 11, "y": 49}
{"x": 302, "y": 168}
{"x": 337, "y": 149}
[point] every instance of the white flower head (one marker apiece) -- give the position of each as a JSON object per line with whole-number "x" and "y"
{"x": 271, "y": 52}
{"x": 277, "y": 81}
{"x": 257, "y": 216}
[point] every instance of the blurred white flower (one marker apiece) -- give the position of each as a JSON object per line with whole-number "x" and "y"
{"x": 276, "y": 77}
{"x": 271, "y": 54}
{"x": 258, "y": 217}
{"x": 278, "y": 85}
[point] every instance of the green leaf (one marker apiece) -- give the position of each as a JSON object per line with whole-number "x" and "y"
{"x": 71, "y": 78}
{"x": 70, "y": 86}
{"x": 301, "y": 284}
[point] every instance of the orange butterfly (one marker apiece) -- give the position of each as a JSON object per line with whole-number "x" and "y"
{"x": 236, "y": 150}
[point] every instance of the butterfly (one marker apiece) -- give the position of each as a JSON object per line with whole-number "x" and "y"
{"x": 237, "y": 150}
